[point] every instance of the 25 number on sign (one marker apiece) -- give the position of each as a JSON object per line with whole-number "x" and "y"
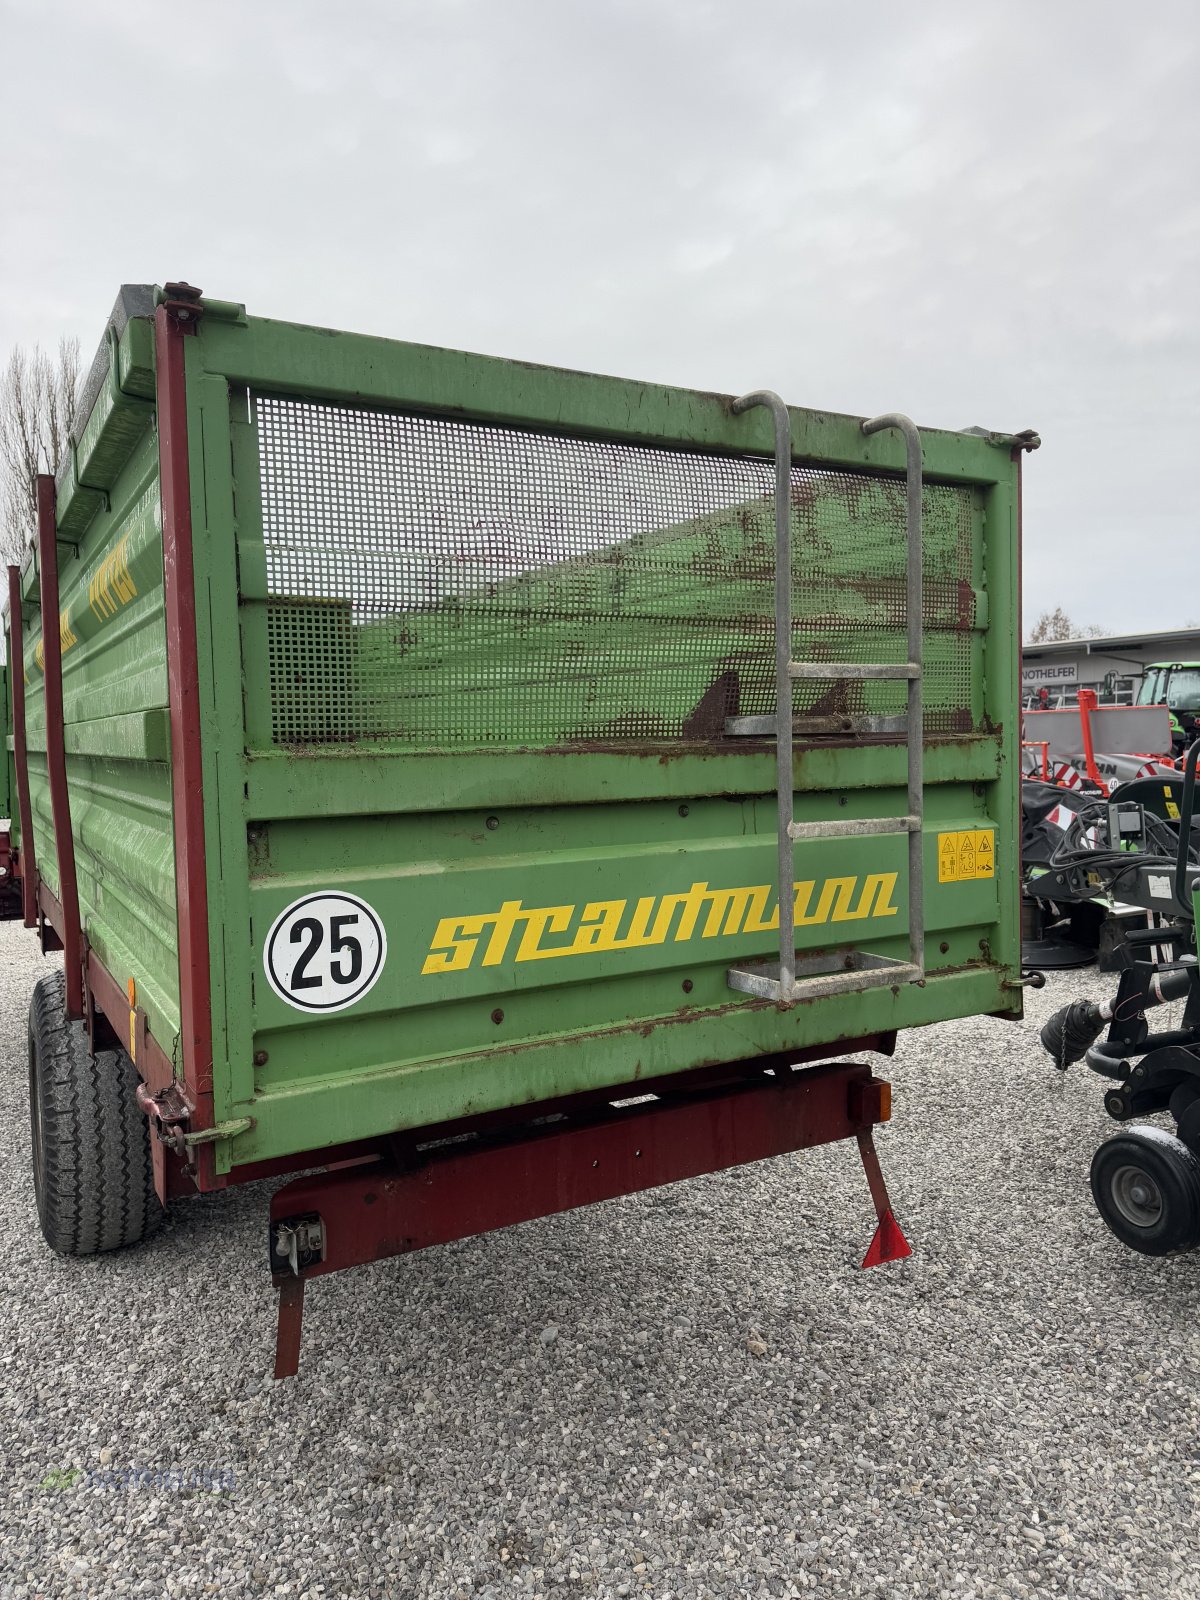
{"x": 324, "y": 952}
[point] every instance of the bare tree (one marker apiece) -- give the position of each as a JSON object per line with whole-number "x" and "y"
{"x": 1054, "y": 625}
{"x": 37, "y": 402}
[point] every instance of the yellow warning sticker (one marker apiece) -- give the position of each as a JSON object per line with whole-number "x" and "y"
{"x": 966, "y": 855}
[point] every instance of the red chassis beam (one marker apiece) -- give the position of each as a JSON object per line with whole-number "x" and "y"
{"x": 369, "y": 1210}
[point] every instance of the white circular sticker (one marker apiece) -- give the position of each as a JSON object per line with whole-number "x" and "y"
{"x": 325, "y": 951}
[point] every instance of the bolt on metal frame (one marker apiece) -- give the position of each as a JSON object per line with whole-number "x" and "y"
{"x": 860, "y": 970}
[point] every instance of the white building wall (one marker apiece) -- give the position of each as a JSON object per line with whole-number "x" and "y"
{"x": 1088, "y": 669}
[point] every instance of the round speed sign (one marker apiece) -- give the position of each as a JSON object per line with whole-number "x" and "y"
{"x": 324, "y": 951}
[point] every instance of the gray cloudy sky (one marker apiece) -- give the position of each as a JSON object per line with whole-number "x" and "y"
{"x": 975, "y": 213}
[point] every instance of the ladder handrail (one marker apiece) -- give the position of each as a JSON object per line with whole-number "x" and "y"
{"x": 784, "y": 776}
{"x": 914, "y": 608}
{"x": 785, "y": 990}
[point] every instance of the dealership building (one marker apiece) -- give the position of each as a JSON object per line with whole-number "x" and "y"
{"x": 1111, "y": 665}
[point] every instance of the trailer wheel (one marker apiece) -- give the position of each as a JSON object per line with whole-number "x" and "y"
{"x": 1185, "y": 1108}
{"x": 1146, "y": 1185}
{"x": 92, "y": 1174}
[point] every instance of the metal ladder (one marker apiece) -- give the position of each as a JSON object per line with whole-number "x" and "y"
{"x": 790, "y": 979}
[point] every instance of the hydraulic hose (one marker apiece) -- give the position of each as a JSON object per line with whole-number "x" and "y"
{"x": 1070, "y": 1033}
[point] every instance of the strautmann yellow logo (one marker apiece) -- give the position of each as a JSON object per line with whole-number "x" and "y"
{"x": 519, "y": 932}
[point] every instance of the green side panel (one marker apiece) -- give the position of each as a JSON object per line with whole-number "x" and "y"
{"x": 113, "y": 430}
{"x": 560, "y": 925}
{"x": 116, "y": 730}
{"x": 469, "y": 633}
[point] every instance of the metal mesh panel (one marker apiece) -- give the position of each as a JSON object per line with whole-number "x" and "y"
{"x": 442, "y": 583}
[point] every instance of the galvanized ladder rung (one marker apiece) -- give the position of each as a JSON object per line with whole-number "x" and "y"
{"x": 791, "y": 978}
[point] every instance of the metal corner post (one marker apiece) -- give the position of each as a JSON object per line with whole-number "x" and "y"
{"x": 174, "y": 322}
{"x": 56, "y": 750}
{"x": 784, "y": 776}
{"x": 16, "y": 643}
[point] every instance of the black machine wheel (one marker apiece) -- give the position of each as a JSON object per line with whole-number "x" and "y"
{"x": 1146, "y": 1185}
{"x": 1188, "y": 1122}
{"x": 92, "y": 1174}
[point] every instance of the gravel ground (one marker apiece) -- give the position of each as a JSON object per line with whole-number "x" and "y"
{"x": 692, "y": 1393}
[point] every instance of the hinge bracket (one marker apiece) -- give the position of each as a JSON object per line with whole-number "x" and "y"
{"x": 219, "y": 1130}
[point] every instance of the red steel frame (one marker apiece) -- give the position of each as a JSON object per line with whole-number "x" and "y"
{"x": 56, "y": 751}
{"x": 1044, "y": 746}
{"x": 87, "y": 978}
{"x": 16, "y": 660}
{"x": 174, "y": 322}
{"x": 369, "y": 1210}
{"x": 1088, "y": 702}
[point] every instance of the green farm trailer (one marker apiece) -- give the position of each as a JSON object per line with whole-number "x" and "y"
{"x": 489, "y": 789}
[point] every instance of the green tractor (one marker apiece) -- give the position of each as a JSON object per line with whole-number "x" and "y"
{"x": 1175, "y": 684}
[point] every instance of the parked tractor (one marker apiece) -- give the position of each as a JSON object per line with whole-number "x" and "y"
{"x": 1176, "y": 685}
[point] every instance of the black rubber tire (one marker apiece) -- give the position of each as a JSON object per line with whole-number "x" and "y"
{"x": 1146, "y": 1185}
{"x": 1187, "y": 1123}
{"x": 1182, "y": 1096}
{"x": 92, "y": 1174}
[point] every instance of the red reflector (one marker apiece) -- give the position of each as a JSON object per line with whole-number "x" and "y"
{"x": 889, "y": 1244}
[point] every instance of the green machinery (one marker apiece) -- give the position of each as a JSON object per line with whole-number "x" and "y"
{"x": 1139, "y": 846}
{"x": 417, "y": 754}
{"x": 1176, "y": 685}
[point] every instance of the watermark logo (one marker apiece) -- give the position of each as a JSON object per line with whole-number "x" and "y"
{"x": 133, "y": 1479}
{"x": 61, "y": 1478}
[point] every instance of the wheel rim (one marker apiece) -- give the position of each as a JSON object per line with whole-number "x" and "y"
{"x": 1137, "y": 1196}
